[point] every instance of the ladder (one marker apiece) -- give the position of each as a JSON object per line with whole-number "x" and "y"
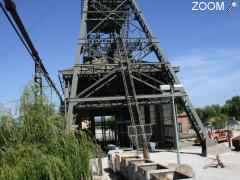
{"x": 82, "y": 7}
{"x": 137, "y": 132}
{"x": 126, "y": 26}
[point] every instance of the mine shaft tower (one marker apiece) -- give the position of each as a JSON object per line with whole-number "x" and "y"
{"x": 120, "y": 70}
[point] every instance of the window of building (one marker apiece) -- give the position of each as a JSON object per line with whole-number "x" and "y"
{"x": 167, "y": 114}
{"x": 180, "y": 128}
{"x": 152, "y": 115}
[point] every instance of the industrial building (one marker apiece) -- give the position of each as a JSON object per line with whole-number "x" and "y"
{"x": 121, "y": 71}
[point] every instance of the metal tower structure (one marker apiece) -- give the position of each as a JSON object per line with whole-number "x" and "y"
{"x": 113, "y": 70}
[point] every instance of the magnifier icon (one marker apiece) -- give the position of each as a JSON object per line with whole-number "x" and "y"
{"x": 234, "y": 4}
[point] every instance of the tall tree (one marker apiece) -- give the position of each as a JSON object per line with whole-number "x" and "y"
{"x": 232, "y": 107}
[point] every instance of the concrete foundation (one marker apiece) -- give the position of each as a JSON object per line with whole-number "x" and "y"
{"x": 136, "y": 168}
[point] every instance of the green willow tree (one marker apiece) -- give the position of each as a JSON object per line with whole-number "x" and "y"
{"x": 36, "y": 146}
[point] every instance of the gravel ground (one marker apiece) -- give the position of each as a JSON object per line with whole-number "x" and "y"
{"x": 201, "y": 165}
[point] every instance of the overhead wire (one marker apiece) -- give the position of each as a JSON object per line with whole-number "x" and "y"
{"x": 25, "y": 39}
{"x": 48, "y": 10}
{"x": 15, "y": 29}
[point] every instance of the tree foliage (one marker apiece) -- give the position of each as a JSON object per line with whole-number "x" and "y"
{"x": 36, "y": 146}
{"x": 232, "y": 107}
{"x": 218, "y": 115}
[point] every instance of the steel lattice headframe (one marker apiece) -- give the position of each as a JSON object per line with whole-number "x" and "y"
{"x": 112, "y": 66}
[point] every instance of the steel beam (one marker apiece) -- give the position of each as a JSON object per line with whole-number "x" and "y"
{"x": 97, "y": 82}
{"x": 106, "y": 41}
{"x": 119, "y": 98}
{"x": 73, "y": 91}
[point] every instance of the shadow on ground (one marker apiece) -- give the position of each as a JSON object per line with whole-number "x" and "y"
{"x": 112, "y": 175}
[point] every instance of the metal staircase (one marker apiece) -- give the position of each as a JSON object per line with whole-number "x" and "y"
{"x": 115, "y": 40}
{"x": 82, "y": 6}
{"x": 196, "y": 123}
{"x": 139, "y": 133}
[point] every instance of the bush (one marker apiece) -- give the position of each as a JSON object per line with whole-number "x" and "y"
{"x": 36, "y": 146}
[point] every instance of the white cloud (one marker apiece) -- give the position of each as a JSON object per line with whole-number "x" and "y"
{"x": 210, "y": 76}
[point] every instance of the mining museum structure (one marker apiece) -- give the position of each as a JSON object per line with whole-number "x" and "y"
{"x": 121, "y": 71}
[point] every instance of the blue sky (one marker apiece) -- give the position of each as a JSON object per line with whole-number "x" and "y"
{"x": 205, "y": 44}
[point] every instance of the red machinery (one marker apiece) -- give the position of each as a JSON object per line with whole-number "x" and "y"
{"x": 217, "y": 136}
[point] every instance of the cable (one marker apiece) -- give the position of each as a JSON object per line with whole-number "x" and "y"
{"x": 9, "y": 49}
{"x": 52, "y": 6}
{"x": 15, "y": 29}
{"x": 25, "y": 39}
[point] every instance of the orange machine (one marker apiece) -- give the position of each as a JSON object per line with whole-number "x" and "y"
{"x": 217, "y": 136}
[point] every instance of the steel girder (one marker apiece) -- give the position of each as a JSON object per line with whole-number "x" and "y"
{"x": 101, "y": 23}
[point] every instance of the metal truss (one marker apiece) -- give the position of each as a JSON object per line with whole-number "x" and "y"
{"x": 114, "y": 48}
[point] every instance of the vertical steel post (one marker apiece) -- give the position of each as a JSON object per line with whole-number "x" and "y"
{"x": 228, "y": 136}
{"x": 175, "y": 125}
